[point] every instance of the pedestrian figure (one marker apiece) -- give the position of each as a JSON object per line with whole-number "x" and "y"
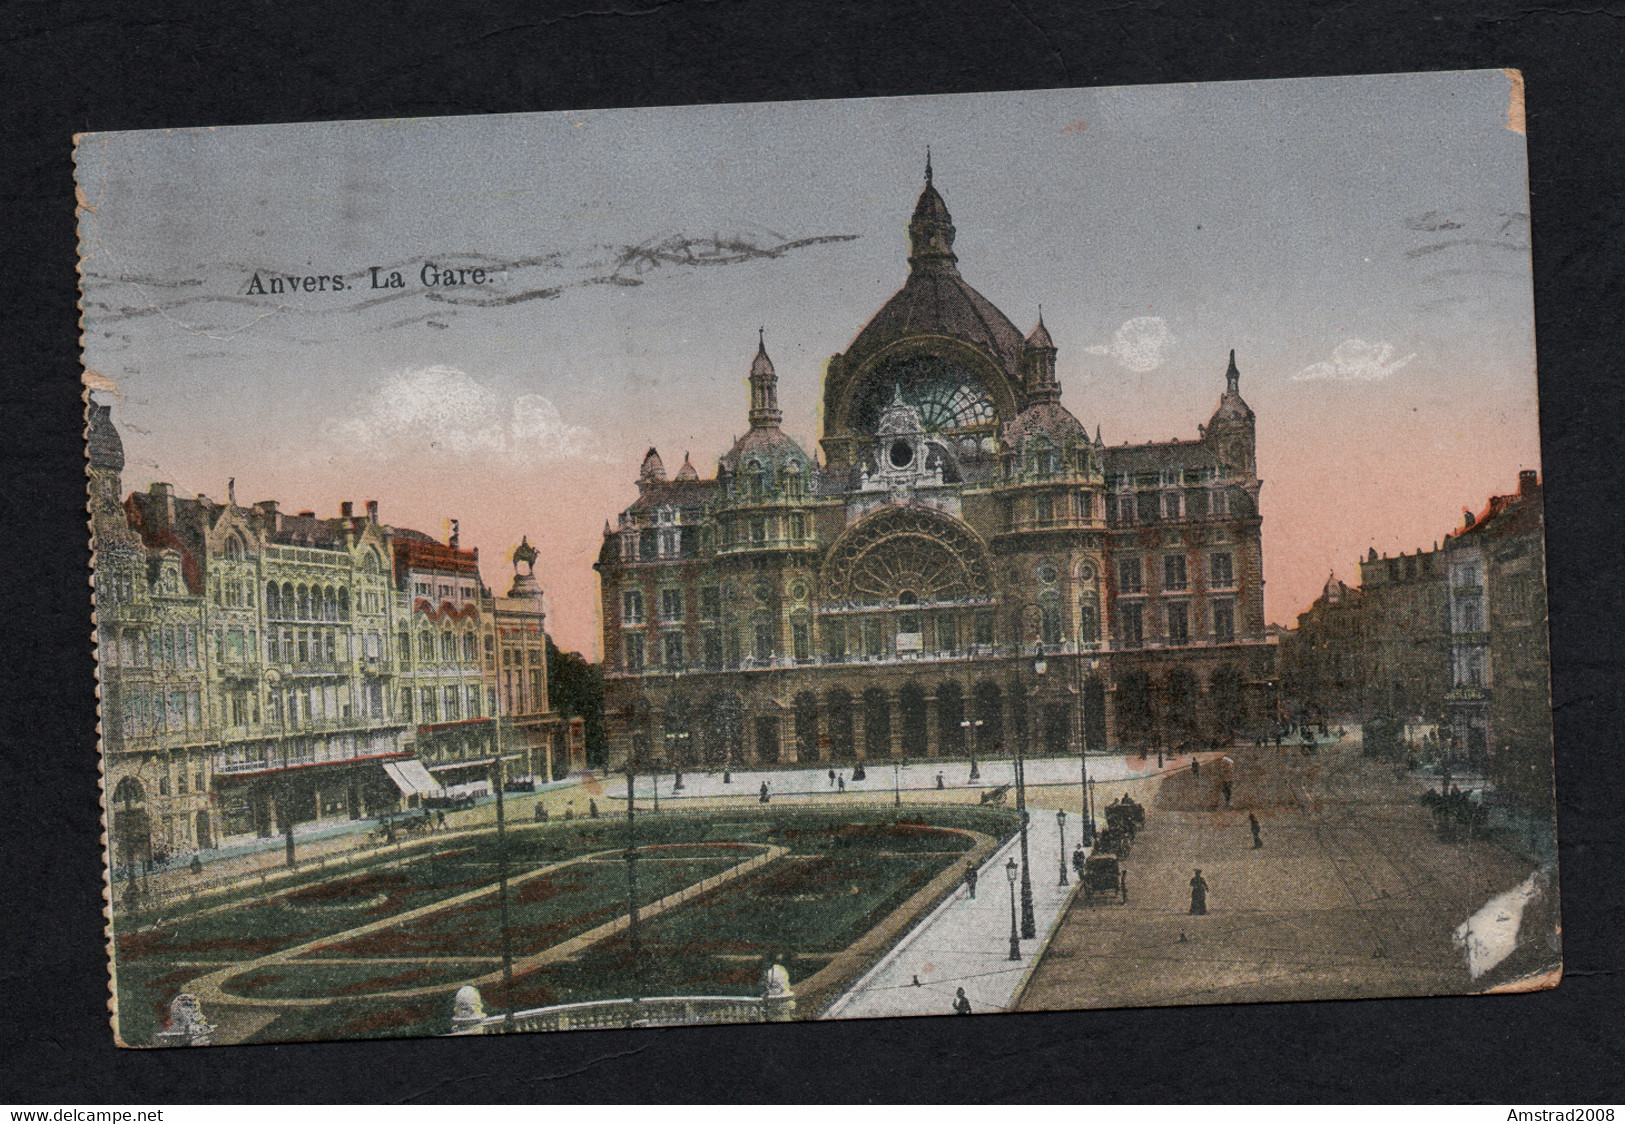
{"x": 727, "y": 777}
{"x": 592, "y": 809}
{"x": 939, "y": 781}
{"x": 1198, "y": 894}
{"x": 1078, "y": 859}
{"x": 961, "y": 1004}
{"x": 916, "y": 981}
{"x": 569, "y": 813}
{"x": 841, "y": 781}
{"x": 1159, "y": 757}
{"x": 832, "y": 778}
{"x": 440, "y": 819}
{"x": 1196, "y": 767}
{"x": 1252, "y": 822}
{"x": 970, "y": 881}
{"x": 859, "y": 773}
{"x": 762, "y": 798}
{"x": 1225, "y": 787}
{"x": 541, "y": 814}
{"x": 197, "y": 865}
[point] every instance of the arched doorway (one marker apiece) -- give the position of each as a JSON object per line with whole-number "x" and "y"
{"x": 720, "y": 729}
{"x": 1094, "y": 713}
{"x": 132, "y": 827}
{"x": 1136, "y": 712}
{"x": 987, "y": 708}
{"x": 876, "y": 723}
{"x": 1183, "y": 694}
{"x": 838, "y": 715}
{"x": 205, "y": 839}
{"x": 911, "y": 711}
{"x": 950, "y": 713}
{"x": 806, "y": 727}
{"x": 1229, "y": 700}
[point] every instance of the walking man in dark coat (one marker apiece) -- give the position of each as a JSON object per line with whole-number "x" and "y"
{"x": 762, "y": 796}
{"x": 1198, "y": 894}
{"x": 1252, "y": 822}
{"x": 970, "y": 880}
{"x": 961, "y": 1004}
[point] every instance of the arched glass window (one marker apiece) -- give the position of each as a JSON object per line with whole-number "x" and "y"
{"x": 758, "y": 480}
{"x": 426, "y": 645}
{"x": 448, "y": 647}
{"x": 234, "y": 549}
{"x": 470, "y": 653}
{"x": 344, "y": 604}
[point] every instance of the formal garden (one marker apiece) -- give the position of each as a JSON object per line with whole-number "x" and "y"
{"x": 834, "y": 875}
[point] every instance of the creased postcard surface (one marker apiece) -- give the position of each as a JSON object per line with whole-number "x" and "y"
{"x": 943, "y": 555}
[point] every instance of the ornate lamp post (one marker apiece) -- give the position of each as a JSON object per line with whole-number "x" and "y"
{"x": 632, "y": 934}
{"x": 973, "y": 734}
{"x": 1060, "y": 822}
{"x": 285, "y": 801}
{"x": 1088, "y": 829}
{"x": 1015, "y": 941}
{"x": 1029, "y": 925}
{"x": 499, "y": 782}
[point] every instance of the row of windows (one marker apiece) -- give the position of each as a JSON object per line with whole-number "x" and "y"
{"x": 1176, "y": 618}
{"x": 1149, "y": 507}
{"x": 165, "y": 647}
{"x": 1221, "y": 572}
{"x": 1165, "y": 478}
{"x": 442, "y": 704}
{"x": 671, "y": 605}
{"x": 444, "y": 591}
{"x": 147, "y": 711}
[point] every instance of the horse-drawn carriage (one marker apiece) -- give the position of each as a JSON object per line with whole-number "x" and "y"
{"x": 1124, "y": 818}
{"x": 1103, "y": 876}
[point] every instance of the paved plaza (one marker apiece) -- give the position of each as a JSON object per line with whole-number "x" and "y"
{"x": 1351, "y": 895}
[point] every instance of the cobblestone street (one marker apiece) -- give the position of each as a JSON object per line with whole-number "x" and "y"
{"x": 1351, "y": 895}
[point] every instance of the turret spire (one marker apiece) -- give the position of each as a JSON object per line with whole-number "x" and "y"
{"x": 764, "y": 387}
{"x": 1232, "y": 377}
{"x": 931, "y": 230}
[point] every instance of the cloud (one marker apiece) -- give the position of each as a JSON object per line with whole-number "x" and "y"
{"x": 1139, "y": 345}
{"x": 1356, "y": 359}
{"x": 444, "y": 411}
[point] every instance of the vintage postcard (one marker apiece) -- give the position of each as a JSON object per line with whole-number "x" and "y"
{"x": 825, "y": 560}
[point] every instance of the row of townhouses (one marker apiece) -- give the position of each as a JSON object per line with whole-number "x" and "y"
{"x": 1455, "y": 635}
{"x": 260, "y": 669}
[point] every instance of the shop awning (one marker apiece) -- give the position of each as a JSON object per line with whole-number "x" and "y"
{"x": 412, "y": 778}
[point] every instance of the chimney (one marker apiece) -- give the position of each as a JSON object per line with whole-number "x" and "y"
{"x": 347, "y": 509}
{"x": 161, "y": 509}
{"x": 267, "y": 508}
{"x": 1527, "y": 482}
{"x": 307, "y": 515}
{"x": 372, "y": 510}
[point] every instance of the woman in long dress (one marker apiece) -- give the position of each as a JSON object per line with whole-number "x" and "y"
{"x": 1198, "y": 894}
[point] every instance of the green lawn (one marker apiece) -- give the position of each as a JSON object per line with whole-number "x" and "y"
{"x": 847, "y": 869}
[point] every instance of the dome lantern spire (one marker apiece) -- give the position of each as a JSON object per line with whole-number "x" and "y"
{"x": 931, "y": 230}
{"x": 764, "y": 387}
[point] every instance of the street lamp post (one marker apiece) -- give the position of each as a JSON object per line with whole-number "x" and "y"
{"x": 1015, "y": 941}
{"x": 1060, "y": 822}
{"x": 632, "y": 934}
{"x": 273, "y": 677}
{"x": 897, "y": 782}
{"x": 973, "y": 734}
{"x": 1087, "y": 831}
{"x": 1029, "y": 925}
{"x": 499, "y": 782}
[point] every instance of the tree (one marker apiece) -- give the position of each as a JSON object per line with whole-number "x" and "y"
{"x": 576, "y": 689}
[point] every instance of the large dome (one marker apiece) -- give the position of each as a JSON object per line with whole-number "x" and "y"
{"x": 939, "y": 302}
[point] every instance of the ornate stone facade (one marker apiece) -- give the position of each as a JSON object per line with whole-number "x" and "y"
{"x": 965, "y": 566}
